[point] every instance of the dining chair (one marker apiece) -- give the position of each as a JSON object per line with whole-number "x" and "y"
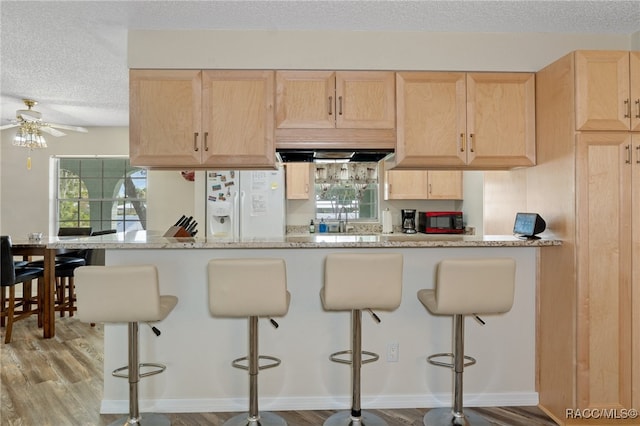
{"x": 11, "y": 276}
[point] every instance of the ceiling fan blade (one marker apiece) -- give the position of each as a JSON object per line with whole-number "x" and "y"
{"x": 8, "y": 126}
{"x": 28, "y": 114}
{"x": 52, "y": 131}
{"x": 64, "y": 126}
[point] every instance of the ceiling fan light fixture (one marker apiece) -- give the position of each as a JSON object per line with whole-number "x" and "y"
{"x": 29, "y": 136}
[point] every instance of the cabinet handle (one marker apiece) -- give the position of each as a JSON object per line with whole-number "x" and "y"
{"x": 330, "y": 105}
{"x": 628, "y": 105}
{"x": 638, "y": 154}
{"x": 340, "y": 105}
{"x": 638, "y": 107}
{"x": 628, "y": 148}
{"x": 195, "y": 141}
{"x": 206, "y": 145}
{"x": 462, "y": 143}
{"x": 306, "y": 188}
{"x": 471, "y": 142}
{"x": 429, "y": 189}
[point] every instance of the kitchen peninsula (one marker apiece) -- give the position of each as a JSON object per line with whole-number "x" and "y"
{"x": 198, "y": 348}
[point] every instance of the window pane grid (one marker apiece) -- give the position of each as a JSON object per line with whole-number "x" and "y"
{"x": 91, "y": 192}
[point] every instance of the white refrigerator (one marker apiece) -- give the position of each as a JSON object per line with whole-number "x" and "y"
{"x": 245, "y": 205}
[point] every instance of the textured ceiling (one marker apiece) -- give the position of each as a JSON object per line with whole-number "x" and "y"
{"x": 71, "y": 56}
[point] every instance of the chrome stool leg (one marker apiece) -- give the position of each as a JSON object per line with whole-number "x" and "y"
{"x": 135, "y": 418}
{"x": 356, "y": 417}
{"x": 254, "y": 417}
{"x": 456, "y": 415}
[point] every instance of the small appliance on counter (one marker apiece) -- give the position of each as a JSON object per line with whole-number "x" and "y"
{"x": 440, "y": 223}
{"x": 527, "y": 225}
{"x": 408, "y": 221}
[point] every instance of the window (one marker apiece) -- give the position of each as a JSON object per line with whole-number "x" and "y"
{"x": 101, "y": 193}
{"x": 346, "y": 190}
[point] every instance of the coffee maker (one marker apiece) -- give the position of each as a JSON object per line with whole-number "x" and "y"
{"x": 409, "y": 221}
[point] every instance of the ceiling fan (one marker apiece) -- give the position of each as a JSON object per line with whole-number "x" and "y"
{"x": 32, "y": 120}
{"x": 31, "y": 126}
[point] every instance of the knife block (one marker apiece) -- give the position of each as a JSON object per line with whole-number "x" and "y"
{"x": 176, "y": 232}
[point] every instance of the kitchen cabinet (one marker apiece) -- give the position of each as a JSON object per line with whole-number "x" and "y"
{"x": 297, "y": 178}
{"x": 202, "y": 119}
{"x": 587, "y": 187}
{"x": 607, "y": 177}
{"x": 607, "y": 90}
{"x": 335, "y": 99}
{"x": 465, "y": 120}
{"x": 423, "y": 185}
{"x": 335, "y": 109}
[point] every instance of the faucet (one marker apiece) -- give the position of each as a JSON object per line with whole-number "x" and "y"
{"x": 342, "y": 224}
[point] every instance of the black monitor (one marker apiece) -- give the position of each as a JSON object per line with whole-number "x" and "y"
{"x": 527, "y": 225}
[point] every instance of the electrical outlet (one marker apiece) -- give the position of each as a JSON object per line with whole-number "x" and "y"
{"x": 393, "y": 352}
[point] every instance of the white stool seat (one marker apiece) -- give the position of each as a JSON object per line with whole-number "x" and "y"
{"x": 248, "y": 287}
{"x": 116, "y": 294}
{"x": 471, "y": 286}
{"x": 362, "y": 281}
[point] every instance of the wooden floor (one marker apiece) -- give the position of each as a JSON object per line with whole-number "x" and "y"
{"x": 59, "y": 382}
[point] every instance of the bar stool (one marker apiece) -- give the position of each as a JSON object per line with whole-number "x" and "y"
{"x": 131, "y": 294}
{"x": 353, "y": 282}
{"x": 250, "y": 288}
{"x": 466, "y": 287}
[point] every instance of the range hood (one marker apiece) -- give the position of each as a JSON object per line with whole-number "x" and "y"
{"x": 332, "y": 155}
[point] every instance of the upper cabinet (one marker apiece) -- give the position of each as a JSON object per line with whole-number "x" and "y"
{"x": 465, "y": 120}
{"x": 423, "y": 185}
{"x": 297, "y": 177}
{"x": 334, "y": 109}
{"x": 202, "y": 119}
{"x": 607, "y": 90}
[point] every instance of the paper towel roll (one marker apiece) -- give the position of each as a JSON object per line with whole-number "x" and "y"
{"x": 387, "y": 226}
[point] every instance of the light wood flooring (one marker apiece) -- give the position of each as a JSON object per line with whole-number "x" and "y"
{"x": 58, "y": 382}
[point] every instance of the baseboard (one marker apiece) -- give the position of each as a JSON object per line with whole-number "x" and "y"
{"x": 284, "y": 403}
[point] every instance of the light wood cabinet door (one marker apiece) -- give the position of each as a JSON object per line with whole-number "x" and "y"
{"x": 365, "y": 100}
{"x": 634, "y": 68}
{"x": 297, "y": 177}
{"x": 444, "y": 185}
{"x": 165, "y": 117}
{"x": 406, "y": 185}
{"x": 500, "y": 120}
{"x": 603, "y": 99}
{"x": 635, "y": 272}
{"x": 431, "y": 118}
{"x": 423, "y": 185}
{"x": 604, "y": 259}
{"x": 328, "y": 100}
{"x": 475, "y": 120}
{"x": 305, "y": 99}
{"x": 238, "y": 118}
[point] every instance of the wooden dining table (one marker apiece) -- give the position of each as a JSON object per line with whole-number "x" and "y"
{"x": 29, "y": 248}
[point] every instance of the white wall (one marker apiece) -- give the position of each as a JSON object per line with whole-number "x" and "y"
{"x": 358, "y": 50}
{"x": 24, "y": 195}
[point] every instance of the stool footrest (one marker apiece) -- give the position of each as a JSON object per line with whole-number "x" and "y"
{"x": 159, "y": 368}
{"x": 430, "y": 360}
{"x": 237, "y": 363}
{"x": 335, "y": 357}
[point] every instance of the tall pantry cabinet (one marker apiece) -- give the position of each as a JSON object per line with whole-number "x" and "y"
{"x": 587, "y": 187}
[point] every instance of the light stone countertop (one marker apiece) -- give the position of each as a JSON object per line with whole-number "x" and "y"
{"x": 155, "y": 240}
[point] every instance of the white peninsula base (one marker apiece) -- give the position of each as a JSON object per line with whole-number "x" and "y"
{"x": 198, "y": 348}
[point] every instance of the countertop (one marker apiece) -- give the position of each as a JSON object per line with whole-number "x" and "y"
{"x": 155, "y": 240}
